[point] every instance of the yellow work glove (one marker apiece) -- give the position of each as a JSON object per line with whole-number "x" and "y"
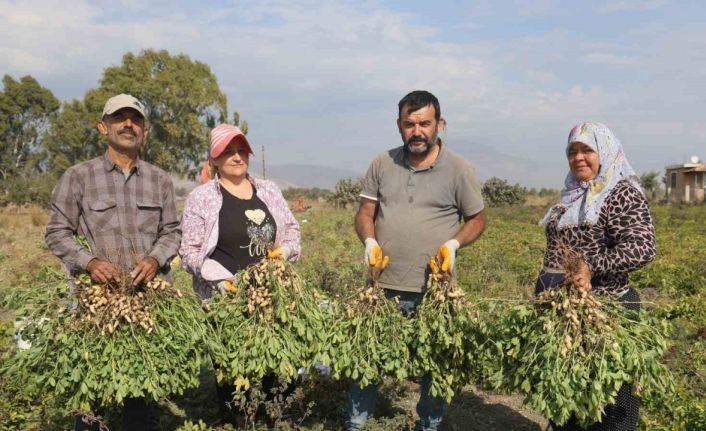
{"x": 279, "y": 252}
{"x": 373, "y": 253}
{"x": 382, "y": 263}
{"x": 225, "y": 286}
{"x": 447, "y": 255}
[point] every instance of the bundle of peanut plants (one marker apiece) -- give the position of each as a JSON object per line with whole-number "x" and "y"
{"x": 445, "y": 342}
{"x": 370, "y": 338}
{"x": 570, "y": 351}
{"x": 268, "y": 323}
{"x": 100, "y": 343}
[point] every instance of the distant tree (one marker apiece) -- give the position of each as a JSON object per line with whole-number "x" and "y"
{"x": 72, "y": 137}
{"x": 650, "y": 183}
{"x": 34, "y": 188}
{"x": 183, "y": 102}
{"x": 308, "y": 193}
{"x": 497, "y": 192}
{"x": 243, "y": 125}
{"x": 26, "y": 109}
{"x": 346, "y": 192}
{"x": 548, "y": 192}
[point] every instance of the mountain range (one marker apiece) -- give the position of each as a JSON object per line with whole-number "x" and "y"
{"x": 487, "y": 161}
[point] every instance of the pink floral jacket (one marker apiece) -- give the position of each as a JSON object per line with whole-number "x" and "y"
{"x": 199, "y": 226}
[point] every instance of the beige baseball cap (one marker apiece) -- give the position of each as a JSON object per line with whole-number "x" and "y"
{"x": 121, "y": 101}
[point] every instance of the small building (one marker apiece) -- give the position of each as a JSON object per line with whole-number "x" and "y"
{"x": 686, "y": 183}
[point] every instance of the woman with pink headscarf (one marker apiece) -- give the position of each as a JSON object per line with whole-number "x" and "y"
{"x": 603, "y": 214}
{"x": 233, "y": 219}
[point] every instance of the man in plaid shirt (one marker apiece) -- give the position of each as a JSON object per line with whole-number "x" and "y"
{"x": 124, "y": 208}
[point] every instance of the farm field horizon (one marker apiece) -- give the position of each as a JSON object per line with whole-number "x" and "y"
{"x": 501, "y": 265}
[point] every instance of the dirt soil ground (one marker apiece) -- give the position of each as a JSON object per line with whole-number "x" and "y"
{"x": 476, "y": 410}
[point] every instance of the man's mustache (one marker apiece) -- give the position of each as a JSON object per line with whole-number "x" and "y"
{"x": 127, "y": 130}
{"x": 417, "y": 139}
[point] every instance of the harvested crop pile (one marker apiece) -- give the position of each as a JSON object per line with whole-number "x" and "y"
{"x": 444, "y": 335}
{"x": 105, "y": 342}
{"x": 369, "y": 339}
{"x": 108, "y": 305}
{"x": 570, "y": 352}
{"x": 268, "y": 324}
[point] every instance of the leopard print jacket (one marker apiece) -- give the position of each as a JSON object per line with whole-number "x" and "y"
{"x": 622, "y": 240}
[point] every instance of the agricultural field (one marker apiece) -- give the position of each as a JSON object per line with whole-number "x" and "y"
{"x": 502, "y": 266}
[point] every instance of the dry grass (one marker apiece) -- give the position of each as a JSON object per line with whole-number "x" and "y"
{"x": 540, "y": 201}
{"x": 38, "y": 216}
{"x": 22, "y": 247}
{"x": 17, "y": 216}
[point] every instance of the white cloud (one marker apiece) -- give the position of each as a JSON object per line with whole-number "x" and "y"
{"x": 613, "y": 6}
{"x": 319, "y": 81}
{"x": 532, "y": 8}
{"x": 19, "y": 59}
{"x": 468, "y": 25}
{"x": 609, "y": 59}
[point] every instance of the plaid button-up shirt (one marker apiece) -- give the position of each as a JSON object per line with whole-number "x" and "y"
{"x": 124, "y": 217}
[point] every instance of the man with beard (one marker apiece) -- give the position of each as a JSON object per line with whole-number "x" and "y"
{"x": 124, "y": 208}
{"x": 413, "y": 200}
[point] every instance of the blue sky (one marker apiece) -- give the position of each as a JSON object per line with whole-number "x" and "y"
{"x": 319, "y": 81}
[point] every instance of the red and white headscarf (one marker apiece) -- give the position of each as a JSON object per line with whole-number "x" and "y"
{"x": 221, "y": 136}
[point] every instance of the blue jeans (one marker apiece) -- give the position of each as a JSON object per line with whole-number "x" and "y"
{"x": 361, "y": 402}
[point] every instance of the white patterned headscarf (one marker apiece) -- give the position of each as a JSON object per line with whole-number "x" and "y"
{"x": 583, "y": 199}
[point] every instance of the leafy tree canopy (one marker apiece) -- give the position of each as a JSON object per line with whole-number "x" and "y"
{"x": 72, "y": 137}
{"x": 26, "y": 109}
{"x": 183, "y": 102}
{"x": 650, "y": 182}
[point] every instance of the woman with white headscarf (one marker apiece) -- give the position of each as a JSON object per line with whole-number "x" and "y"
{"x": 603, "y": 214}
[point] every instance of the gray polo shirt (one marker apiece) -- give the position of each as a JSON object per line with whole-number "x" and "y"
{"x": 418, "y": 210}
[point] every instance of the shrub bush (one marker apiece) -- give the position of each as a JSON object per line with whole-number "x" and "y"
{"x": 347, "y": 192}
{"x": 497, "y": 193}
{"x": 35, "y": 189}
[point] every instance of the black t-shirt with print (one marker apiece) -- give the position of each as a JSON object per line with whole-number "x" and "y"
{"x": 245, "y": 229}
